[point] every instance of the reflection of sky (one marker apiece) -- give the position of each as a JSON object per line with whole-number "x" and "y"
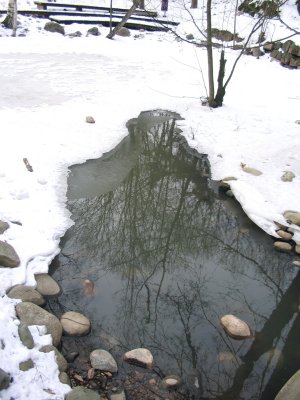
{"x": 168, "y": 258}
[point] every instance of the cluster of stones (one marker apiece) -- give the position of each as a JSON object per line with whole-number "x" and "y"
{"x": 55, "y": 27}
{"x": 287, "y": 53}
{"x": 285, "y": 233}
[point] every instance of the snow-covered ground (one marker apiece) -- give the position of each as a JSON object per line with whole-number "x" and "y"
{"x": 50, "y": 83}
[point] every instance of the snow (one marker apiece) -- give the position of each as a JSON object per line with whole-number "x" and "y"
{"x": 50, "y": 83}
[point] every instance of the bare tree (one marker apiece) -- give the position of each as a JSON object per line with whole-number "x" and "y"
{"x": 10, "y": 20}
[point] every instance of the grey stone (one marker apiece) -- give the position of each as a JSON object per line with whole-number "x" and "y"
{"x": 26, "y": 293}
{"x": 292, "y": 217}
{"x": 284, "y": 235}
{"x": 47, "y": 286}
{"x": 75, "y": 34}
{"x": 94, "y": 31}
{"x": 103, "y": 360}
{"x": 288, "y": 176}
{"x": 282, "y": 246}
{"x": 54, "y": 27}
{"x": 229, "y": 193}
{"x": 82, "y": 393}
{"x": 25, "y": 335}
{"x": 256, "y": 52}
{"x": 8, "y": 256}
{"x": 75, "y": 323}
{"x": 123, "y": 32}
{"x": 64, "y": 378}
{"x": 190, "y": 36}
{"x": 89, "y": 119}
{"x": 291, "y": 389}
{"x": 235, "y": 327}
{"x": 31, "y": 314}
{"x": 140, "y": 356}
{"x": 4, "y": 379}
{"x": 3, "y": 227}
{"x": 60, "y": 359}
{"x": 26, "y": 365}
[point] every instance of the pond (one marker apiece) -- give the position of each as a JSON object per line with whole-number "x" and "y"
{"x": 157, "y": 255}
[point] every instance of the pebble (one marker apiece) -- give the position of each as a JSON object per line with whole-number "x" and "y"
{"x": 89, "y": 119}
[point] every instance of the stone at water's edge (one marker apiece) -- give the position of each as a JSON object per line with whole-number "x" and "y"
{"x": 75, "y": 324}
{"x": 82, "y": 393}
{"x": 46, "y": 285}
{"x": 283, "y": 246}
{"x": 297, "y": 248}
{"x": 141, "y": 357}
{"x": 291, "y": 389}
{"x": 31, "y": 314}
{"x": 8, "y": 256}
{"x": 235, "y": 327}
{"x": 26, "y": 293}
{"x": 284, "y": 235}
{"x": 103, "y": 360}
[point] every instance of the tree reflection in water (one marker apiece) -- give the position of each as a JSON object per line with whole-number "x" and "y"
{"x": 168, "y": 257}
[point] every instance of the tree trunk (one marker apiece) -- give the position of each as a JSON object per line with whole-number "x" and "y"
{"x": 10, "y": 20}
{"x": 123, "y": 21}
{"x": 211, "y": 89}
{"x": 221, "y": 89}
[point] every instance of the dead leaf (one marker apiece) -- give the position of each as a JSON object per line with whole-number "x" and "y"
{"x": 91, "y": 373}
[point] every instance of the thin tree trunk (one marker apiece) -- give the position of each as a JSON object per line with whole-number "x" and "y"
{"x": 123, "y": 21}
{"x": 10, "y": 20}
{"x": 211, "y": 89}
{"x": 221, "y": 89}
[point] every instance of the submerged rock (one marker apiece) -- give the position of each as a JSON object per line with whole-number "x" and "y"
{"x": 171, "y": 382}
{"x": 75, "y": 323}
{"x": 235, "y": 327}
{"x": 8, "y": 256}
{"x": 141, "y": 357}
{"x": 82, "y": 393}
{"x": 103, "y": 360}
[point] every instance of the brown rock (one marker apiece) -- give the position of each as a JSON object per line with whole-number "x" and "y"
{"x": 75, "y": 324}
{"x": 282, "y": 246}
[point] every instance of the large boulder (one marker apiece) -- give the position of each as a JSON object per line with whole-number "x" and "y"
{"x": 26, "y": 293}
{"x": 31, "y": 314}
{"x": 291, "y": 389}
{"x": 8, "y": 256}
{"x": 235, "y": 327}
{"x": 54, "y": 27}
{"x": 75, "y": 323}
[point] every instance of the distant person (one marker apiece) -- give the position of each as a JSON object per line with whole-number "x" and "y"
{"x": 164, "y": 7}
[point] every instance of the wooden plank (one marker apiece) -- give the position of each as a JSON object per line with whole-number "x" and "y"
{"x": 43, "y": 5}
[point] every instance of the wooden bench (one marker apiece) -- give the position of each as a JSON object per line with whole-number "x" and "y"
{"x": 42, "y": 5}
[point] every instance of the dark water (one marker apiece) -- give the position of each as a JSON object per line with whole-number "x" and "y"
{"x": 168, "y": 255}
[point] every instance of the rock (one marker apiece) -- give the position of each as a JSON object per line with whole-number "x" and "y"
{"x": 46, "y": 285}
{"x": 229, "y": 178}
{"x": 26, "y": 293}
{"x": 75, "y": 324}
{"x": 141, "y": 357}
{"x": 297, "y": 248}
{"x": 123, "y": 32}
{"x": 31, "y": 314}
{"x": 235, "y": 327}
{"x": 118, "y": 396}
{"x": 4, "y": 379}
{"x": 3, "y": 227}
{"x": 60, "y": 359}
{"x": 26, "y": 365}
{"x": 256, "y": 52}
{"x": 297, "y": 121}
{"x": 250, "y": 170}
{"x": 229, "y": 193}
{"x": 224, "y": 186}
{"x": 288, "y": 176}
{"x": 292, "y": 217}
{"x": 283, "y": 246}
{"x": 109, "y": 341}
{"x": 94, "y": 31}
{"x": 70, "y": 357}
{"x": 75, "y": 34}
{"x": 171, "y": 382}
{"x": 297, "y": 263}
{"x": 8, "y": 257}
{"x": 284, "y": 235}
{"x": 82, "y": 393}
{"x": 291, "y": 389}
{"x": 54, "y": 27}
{"x": 268, "y": 46}
{"x": 103, "y": 360}
{"x": 64, "y": 378}
{"x": 189, "y": 36}
{"x": 223, "y": 35}
{"x": 89, "y": 119}
{"x": 25, "y": 336}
